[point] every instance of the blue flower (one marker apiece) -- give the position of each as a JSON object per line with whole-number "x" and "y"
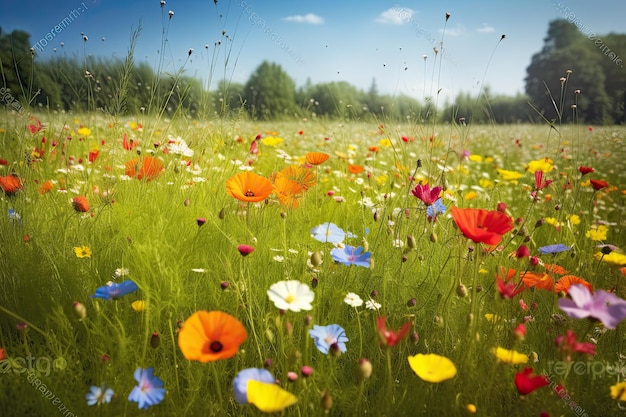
{"x": 436, "y": 208}
{"x": 113, "y": 290}
{"x": 240, "y": 383}
{"x": 14, "y": 217}
{"x": 99, "y": 395}
{"x": 325, "y": 336}
{"x": 350, "y": 255}
{"x": 329, "y": 232}
{"x": 552, "y": 249}
{"x": 149, "y": 390}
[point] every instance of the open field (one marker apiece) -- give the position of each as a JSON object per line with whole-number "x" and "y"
{"x": 170, "y": 226}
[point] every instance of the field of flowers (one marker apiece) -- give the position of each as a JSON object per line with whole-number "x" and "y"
{"x": 226, "y": 268}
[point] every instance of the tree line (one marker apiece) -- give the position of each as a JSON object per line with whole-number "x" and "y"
{"x": 571, "y": 72}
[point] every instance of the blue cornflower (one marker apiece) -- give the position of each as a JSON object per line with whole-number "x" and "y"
{"x": 240, "y": 383}
{"x": 326, "y": 336}
{"x": 552, "y": 249}
{"x": 350, "y": 255}
{"x": 436, "y": 208}
{"x": 113, "y": 290}
{"x": 329, "y": 232}
{"x": 149, "y": 390}
{"x": 14, "y": 216}
{"x": 99, "y": 395}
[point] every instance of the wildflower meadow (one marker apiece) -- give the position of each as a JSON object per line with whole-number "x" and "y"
{"x": 158, "y": 264}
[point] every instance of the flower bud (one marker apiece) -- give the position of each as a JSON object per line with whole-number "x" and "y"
{"x": 155, "y": 340}
{"x": 364, "y": 370}
{"x": 80, "y": 310}
{"x": 433, "y": 237}
{"x": 326, "y": 401}
{"x": 461, "y": 290}
{"x": 410, "y": 242}
{"x": 306, "y": 371}
{"x": 316, "y": 259}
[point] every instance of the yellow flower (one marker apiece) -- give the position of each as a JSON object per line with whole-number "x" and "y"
{"x": 509, "y": 175}
{"x": 485, "y": 183}
{"x": 272, "y": 140}
{"x": 597, "y": 233}
{"x": 82, "y": 251}
{"x": 475, "y": 158}
{"x": 488, "y": 159}
{"x": 574, "y": 219}
{"x": 269, "y": 398}
{"x": 470, "y": 195}
{"x": 432, "y": 367}
{"x": 618, "y": 391}
{"x": 551, "y": 220}
{"x": 84, "y": 131}
{"x": 492, "y": 317}
{"x": 544, "y": 164}
{"x": 470, "y": 408}
{"x": 138, "y": 306}
{"x": 385, "y": 143}
{"x": 511, "y": 357}
{"x": 613, "y": 258}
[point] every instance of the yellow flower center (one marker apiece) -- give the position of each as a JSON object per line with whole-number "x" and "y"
{"x": 290, "y": 298}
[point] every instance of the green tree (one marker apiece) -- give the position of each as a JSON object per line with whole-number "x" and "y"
{"x": 270, "y": 92}
{"x": 568, "y": 63}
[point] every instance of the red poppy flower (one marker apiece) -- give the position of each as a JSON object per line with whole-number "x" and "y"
{"x": 80, "y": 204}
{"x": 10, "y": 184}
{"x": 93, "y": 155}
{"x": 208, "y": 336}
{"x": 390, "y": 337}
{"x": 482, "y": 226}
{"x": 569, "y": 345}
{"x": 509, "y": 289}
{"x": 585, "y": 170}
{"x": 426, "y": 194}
{"x": 598, "y": 184}
{"x": 526, "y": 382}
{"x": 129, "y": 145}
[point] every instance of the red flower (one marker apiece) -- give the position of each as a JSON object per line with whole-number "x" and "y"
{"x": 526, "y": 382}
{"x": 390, "y": 337}
{"x": 93, "y": 154}
{"x": 540, "y": 184}
{"x": 245, "y": 250}
{"x": 508, "y": 290}
{"x": 10, "y": 184}
{"x": 598, "y": 184}
{"x": 426, "y": 194}
{"x": 128, "y": 145}
{"x": 568, "y": 345}
{"x": 80, "y": 203}
{"x": 585, "y": 170}
{"x": 482, "y": 226}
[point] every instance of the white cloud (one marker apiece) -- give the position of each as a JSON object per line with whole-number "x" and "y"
{"x": 395, "y": 16}
{"x": 309, "y": 18}
{"x": 486, "y": 29}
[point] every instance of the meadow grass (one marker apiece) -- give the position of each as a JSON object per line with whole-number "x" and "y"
{"x": 441, "y": 282}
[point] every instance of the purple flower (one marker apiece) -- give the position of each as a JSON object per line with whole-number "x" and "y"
{"x": 603, "y": 306}
{"x": 113, "y": 290}
{"x": 552, "y": 249}
{"x": 149, "y": 390}
{"x": 426, "y": 194}
{"x": 326, "y": 336}
{"x": 240, "y": 383}
{"x": 350, "y": 255}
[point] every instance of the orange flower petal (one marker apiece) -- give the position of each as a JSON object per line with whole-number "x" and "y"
{"x": 249, "y": 187}
{"x": 208, "y": 336}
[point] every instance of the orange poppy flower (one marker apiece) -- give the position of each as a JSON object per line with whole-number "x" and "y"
{"x": 563, "y": 284}
{"x": 316, "y": 158}
{"x": 129, "y": 145}
{"x": 249, "y": 187}
{"x": 287, "y": 191}
{"x": 208, "y": 336}
{"x": 300, "y": 174}
{"x": 45, "y": 187}
{"x": 80, "y": 203}
{"x": 540, "y": 281}
{"x": 355, "y": 169}
{"x": 482, "y": 226}
{"x": 10, "y": 184}
{"x": 149, "y": 168}
{"x": 555, "y": 269}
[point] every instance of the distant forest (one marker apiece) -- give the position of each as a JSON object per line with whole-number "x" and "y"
{"x": 572, "y": 69}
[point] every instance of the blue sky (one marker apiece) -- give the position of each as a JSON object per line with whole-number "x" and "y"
{"x": 324, "y": 40}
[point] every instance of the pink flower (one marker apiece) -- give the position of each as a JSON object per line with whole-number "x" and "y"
{"x": 568, "y": 345}
{"x": 245, "y": 250}
{"x": 426, "y": 194}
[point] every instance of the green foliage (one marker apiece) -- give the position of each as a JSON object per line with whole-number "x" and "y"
{"x": 270, "y": 92}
